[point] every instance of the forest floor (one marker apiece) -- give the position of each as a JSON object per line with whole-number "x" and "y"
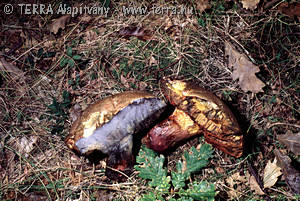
{"x": 51, "y": 63}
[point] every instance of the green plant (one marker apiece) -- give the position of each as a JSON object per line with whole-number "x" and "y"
{"x": 69, "y": 58}
{"x": 151, "y": 167}
{"x": 58, "y": 109}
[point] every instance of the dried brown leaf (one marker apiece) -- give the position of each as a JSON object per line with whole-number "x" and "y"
{"x": 271, "y": 173}
{"x": 126, "y": 81}
{"x": 10, "y": 68}
{"x": 85, "y": 18}
{"x": 292, "y": 10}
{"x": 142, "y": 86}
{"x": 250, "y": 4}
{"x": 254, "y": 186}
{"x": 292, "y": 141}
{"x": 90, "y": 35}
{"x": 75, "y": 112}
{"x": 26, "y": 145}
{"x": 202, "y": 5}
{"x": 291, "y": 175}
{"x": 59, "y": 23}
{"x": 235, "y": 179}
{"x": 139, "y": 32}
{"x": 244, "y": 70}
{"x": 17, "y": 76}
{"x": 152, "y": 61}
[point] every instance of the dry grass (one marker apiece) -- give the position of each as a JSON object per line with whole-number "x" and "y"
{"x": 193, "y": 49}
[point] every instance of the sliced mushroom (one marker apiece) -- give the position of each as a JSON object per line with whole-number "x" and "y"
{"x": 110, "y": 124}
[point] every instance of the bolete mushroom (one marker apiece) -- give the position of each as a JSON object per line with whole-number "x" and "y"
{"x": 109, "y": 126}
{"x": 197, "y": 111}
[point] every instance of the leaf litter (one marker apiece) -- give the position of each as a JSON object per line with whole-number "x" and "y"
{"x": 244, "y": 70}
{"x": 89, "y": 89}
{"x": 250, "y": 4}
{"x": 255, "y": 186}
{"x": 271, "y": 173}
{"x": 291, "y": 175}
{"x": 292, "y": 141}
{"x": 290, "y": 9}
{"x": 59, "y": 23}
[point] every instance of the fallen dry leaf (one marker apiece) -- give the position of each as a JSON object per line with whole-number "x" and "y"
{"x": 250, "y": 4}
{"x": 271, "y": 173}
{"x": 202, "y": 5}
{"x": 139, "y": 32}
{"x": 254, "y": 186}
{"x": 59, "y": 23}
{"x": 142, "y": 86}
{"x": 292, "y": 10}
{"x": 127, "y": 81}
{"x": 17, "y": 76}
{"x": 292, "y": 141}
{"x": 235, "y": 180}
{"x": 75, "y": 112}
{"x": 90, "y": 35}
{"x": 152, "y": 61}
{"x": 244, "y": 70}
{"x": 25, "y": 145}
{"x": 291, "y": 175}
{"x": 85, "y": 18}
{"x": 10, "y": 68}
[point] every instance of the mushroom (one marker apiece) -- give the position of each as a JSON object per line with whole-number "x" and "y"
{"x": 109, "y": 126}
{"x": 197, "y": 111}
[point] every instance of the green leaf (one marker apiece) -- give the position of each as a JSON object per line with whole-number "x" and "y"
{"x": 76, "y": 57}
{"x": 40, "y": 52}
{"x": 71, "y": 63}
{"x": 163, "y": 184}
{"x": 200, "y": 191}
{"x": 151, "y": 196}
{"x": 179, "y": 178}
{"x": 106, "y": 3}
{"x": 54, "y": 106}
{"x": 197, "y": 159}
{"x": 63, "y": 61}
{"x": 66, "y": 99}
{"x": 193, "y": 162}
{"x": 151, "y": 167}
{"x": 69, "y": 51}
{"x": 185, "y": 199}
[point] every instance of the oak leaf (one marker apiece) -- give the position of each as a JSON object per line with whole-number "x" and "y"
{"x": 271, "y": 173}
{"x": 59, "y": 23}
{"x": 291, "y": 175}
{"x": 250, "y": 4}
{"x": 292, "y": 141}
{"x": 244, "y": 70}
{"x": 255, "y": 186}
{"x": 235, "y": 180}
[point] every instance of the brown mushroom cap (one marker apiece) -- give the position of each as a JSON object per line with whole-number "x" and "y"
{"x": 206, "y": 110}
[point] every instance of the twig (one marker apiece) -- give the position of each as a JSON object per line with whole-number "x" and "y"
{"x": 281, "y": 123}
{"x": 271, "y": 3}
{"x": 162, "y": 69}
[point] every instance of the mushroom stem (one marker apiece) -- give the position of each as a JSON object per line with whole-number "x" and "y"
{"x": 176, "y": 128}
{"x": 120, "y": 160}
